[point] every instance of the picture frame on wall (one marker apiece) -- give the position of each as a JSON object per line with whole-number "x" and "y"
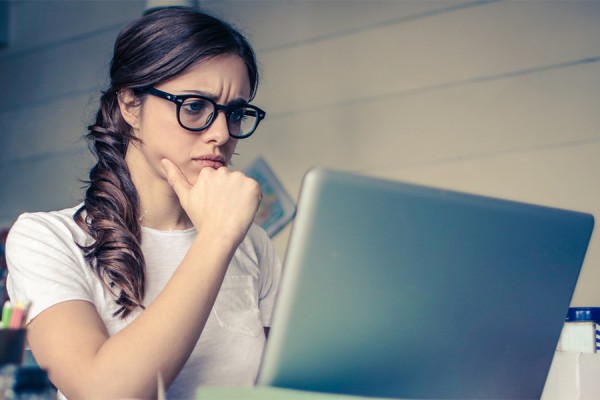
{"x": 276, "y": 208}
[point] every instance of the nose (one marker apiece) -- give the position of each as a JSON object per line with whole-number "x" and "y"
{"x": 218, "y": 131}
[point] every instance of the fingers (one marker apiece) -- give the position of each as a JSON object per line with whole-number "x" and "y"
{"x": 221, "y": 199}
{"x": 175, "y": 177}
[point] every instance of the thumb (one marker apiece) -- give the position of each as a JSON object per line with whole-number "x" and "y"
{"x": 175, "y": 177}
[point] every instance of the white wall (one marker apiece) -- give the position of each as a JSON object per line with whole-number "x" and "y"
{"x": 496, "y": 98}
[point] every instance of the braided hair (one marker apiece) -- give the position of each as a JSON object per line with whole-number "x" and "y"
{"x": 151, "y": 50}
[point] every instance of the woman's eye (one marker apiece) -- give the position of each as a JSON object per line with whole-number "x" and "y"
{"x": 237, "y": 115}
{"x": 194, "y": 107}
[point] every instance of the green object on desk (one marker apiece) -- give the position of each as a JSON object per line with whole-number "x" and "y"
{"x": 268, "y": 393}
{"x": 6, "y": 314}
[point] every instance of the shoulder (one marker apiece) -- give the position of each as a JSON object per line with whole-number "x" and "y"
{"x": 257, "y": 234}
{"x": 50, "y": 218}
{"x": 58, "y": 225}
{"x": 256, "y": 252}
{"x": 256, "y": 240}
{"x": 45, "y": 263}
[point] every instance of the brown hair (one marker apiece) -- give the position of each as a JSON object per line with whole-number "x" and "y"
{"x": 153, "y": 49}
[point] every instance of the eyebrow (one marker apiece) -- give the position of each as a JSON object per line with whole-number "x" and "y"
{"x": 235, "y": 102}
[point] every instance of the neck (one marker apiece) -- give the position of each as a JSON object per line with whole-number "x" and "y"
{"x": 163, "y": 216}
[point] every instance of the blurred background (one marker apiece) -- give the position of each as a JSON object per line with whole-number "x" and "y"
{"x": 496, "y": 98}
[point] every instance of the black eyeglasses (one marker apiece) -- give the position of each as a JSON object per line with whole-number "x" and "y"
{"x": 195, "y": 113}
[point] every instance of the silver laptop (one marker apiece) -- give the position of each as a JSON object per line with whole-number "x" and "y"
{"x": 403, "y": 291}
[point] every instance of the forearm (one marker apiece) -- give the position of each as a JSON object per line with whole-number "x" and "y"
{"x": 166, "y": 332}
{"x": 160, "y": 340}
{"x": 71, "y": 340}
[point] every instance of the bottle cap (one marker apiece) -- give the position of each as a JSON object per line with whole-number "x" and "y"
{"x": 584, "y": 314}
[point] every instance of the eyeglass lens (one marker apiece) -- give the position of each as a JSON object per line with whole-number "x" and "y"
{"x": 196, "y": 113}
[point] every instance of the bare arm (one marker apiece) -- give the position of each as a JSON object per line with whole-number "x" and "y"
{"x": 71, "y": 341}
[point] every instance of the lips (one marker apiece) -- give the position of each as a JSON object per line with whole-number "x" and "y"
{"x": 210, "y": 160}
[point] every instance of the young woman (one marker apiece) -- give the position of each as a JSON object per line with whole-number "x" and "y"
{"x": 159, "y": 270}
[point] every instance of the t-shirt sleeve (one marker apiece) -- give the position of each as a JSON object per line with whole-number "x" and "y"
{"x": 270, "y": 274}
{"x": 45, "y": 265}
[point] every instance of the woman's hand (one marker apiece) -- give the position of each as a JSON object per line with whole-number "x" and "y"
{"x": 221, "y": 201}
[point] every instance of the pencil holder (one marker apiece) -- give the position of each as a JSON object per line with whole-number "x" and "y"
{"x": 12, "y": 346}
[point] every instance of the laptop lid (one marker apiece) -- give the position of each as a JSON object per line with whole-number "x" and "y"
{"x": 398, "y": 290}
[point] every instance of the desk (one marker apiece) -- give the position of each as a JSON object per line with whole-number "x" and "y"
{"x": 572, "y": 376}
{"x": 269, "y": 393}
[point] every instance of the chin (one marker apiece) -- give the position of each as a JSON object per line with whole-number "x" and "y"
{"x": 192, "y": 178}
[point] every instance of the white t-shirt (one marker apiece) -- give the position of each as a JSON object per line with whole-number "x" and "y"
{"x": 47, "y": 267}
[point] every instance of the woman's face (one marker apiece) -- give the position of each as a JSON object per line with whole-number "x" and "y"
{"x": 225, "y": 80}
